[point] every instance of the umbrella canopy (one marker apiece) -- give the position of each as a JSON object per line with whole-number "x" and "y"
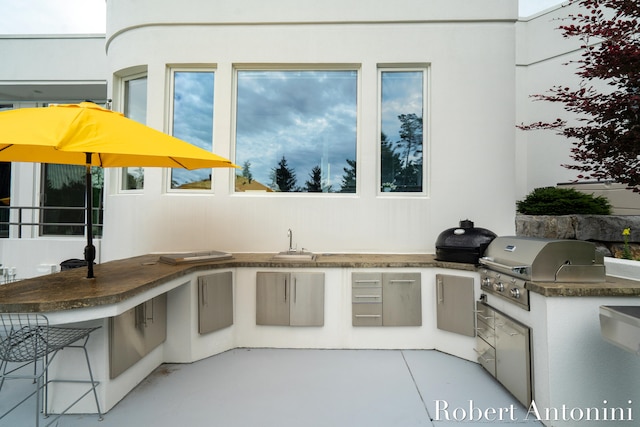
{"x": 65, "y": 133}
{"x": 87, "y": 134}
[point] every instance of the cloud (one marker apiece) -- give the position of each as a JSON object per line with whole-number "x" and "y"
{"x": 52, "y": 16}
{"x": 309, "y": 117}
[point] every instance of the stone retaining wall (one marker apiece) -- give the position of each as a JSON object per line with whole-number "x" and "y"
{"x": 604, "y": 230}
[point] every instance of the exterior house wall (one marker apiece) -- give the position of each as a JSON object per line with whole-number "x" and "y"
{"x": 544, "y": 59}
{"x": 475, "y": 95}
{"x": 469, "y": 121}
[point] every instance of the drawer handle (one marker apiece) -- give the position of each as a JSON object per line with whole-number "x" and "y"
{"x": 366, "y": 296}
{"x": 483, "y": 317}
{"x": 505, "y": 330}
{"x": 481, "y": 356}
{"x": 401, "y": 281}
{"x": 367, "y": 315}
{"x": 368, "y": 281}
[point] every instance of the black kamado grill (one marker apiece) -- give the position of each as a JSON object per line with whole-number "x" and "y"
{"x": 465, "y": 243}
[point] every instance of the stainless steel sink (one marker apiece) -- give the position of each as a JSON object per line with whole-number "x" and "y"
{"x": 294, "y": 256}
{"x": 620, "y": 325}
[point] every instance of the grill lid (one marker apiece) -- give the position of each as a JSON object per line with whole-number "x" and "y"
{"x": 545, "y": 260}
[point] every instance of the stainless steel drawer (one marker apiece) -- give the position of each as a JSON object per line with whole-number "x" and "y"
{"x": 366, "y": 295}
{"x": 486, "y": 355}
{"x": 366, "y": 314}
{"x": 486, "y": 332}
{"x": 485, "y": 314}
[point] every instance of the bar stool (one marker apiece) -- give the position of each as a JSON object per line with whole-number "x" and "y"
{"x": 27, "y": 347}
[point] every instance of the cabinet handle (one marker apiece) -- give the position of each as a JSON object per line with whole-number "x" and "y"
{"x": 366, "y": 296}
{"x": 439, "y": 291}
{"x": 511, "y": 334}
{"x": 368, "y": 315}
{"x": 481, "y": 356}
{"x": 203, "y": 292}
{"x": 368, "y": 281}
{"x": 285, "y": 290}
{"x": 295, "y": 290}
{"x": 152, "y": 312}
{"x": 401, "y": 281}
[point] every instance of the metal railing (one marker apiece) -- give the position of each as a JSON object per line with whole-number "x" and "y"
{"x": 20, "y": 217}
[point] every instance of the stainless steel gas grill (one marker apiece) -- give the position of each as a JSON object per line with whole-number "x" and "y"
{"x": 509, "y": 262}
{"x": 503, "y": 343}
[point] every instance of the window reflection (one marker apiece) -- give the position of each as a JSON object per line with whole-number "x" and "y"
{"x": 193, "y": 122}
{"x": 296, "y": 131}
{"x": 401, "y": 139}
{"x": 135, "y": 108}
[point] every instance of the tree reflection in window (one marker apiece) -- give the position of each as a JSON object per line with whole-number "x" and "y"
{"x": 296, "y": 131}
{"x": 401, "y": 139}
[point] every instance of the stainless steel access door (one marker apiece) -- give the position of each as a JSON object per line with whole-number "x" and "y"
{"x": 513, "y": 357}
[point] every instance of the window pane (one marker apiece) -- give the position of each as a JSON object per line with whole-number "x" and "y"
{"x": 135, "y": 108}
{"x": 401, "y": 155}
{"x": 296, "y": 131}
{"x": 193, "y": 122}
{"x": 5, "y": 197}
{"x": 64, "y": 201}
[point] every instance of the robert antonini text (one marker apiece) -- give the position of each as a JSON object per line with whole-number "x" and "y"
{"x": 472, "y": 412}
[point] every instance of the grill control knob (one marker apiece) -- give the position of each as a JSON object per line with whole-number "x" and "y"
{"x": 486, "y": 282}
{"x": 499, "y": 286}
{"x": 515, "y": 293}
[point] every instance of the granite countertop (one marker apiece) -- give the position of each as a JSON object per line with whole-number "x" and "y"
{"x": 612, "y": 286}
{"x": 116, "y": 281}
{"x": 119, "y": 280}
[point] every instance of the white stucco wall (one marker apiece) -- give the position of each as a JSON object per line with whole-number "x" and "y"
{"x": 469, "y": 121}
{"x": 544, "y": 59}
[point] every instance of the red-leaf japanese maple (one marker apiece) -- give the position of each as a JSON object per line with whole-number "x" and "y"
{"x": 606, "y": 136}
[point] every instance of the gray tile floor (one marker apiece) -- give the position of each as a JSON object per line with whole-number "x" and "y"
{"x": 311, "y": 388}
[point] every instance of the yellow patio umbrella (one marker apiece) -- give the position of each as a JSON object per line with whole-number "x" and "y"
{"x": 87, "y": 134}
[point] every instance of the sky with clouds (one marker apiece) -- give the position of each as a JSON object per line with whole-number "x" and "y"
{"x": 88, "y": 16}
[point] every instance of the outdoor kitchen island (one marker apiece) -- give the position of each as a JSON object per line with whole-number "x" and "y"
{"x": 572, "y": 366}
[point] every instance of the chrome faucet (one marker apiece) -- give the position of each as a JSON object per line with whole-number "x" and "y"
{"x": 290, "y": 236}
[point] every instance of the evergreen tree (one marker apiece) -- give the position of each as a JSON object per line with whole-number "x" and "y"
{"x": 349, "y": 178}
{"x": 315, "y": 184}
{"x": 246, "y": 172}
{"x": 390, "y": 163}
{"x": 411, "y": 145}
{"x": 285, "y": 178}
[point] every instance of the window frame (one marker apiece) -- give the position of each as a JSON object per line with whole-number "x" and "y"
{"x": 293, "y": 67}
{"x": 122, "y": 92}
{"x": 426, "y": 128}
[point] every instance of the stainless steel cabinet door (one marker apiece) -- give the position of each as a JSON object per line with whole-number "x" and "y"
{"x": 272, "y": 298}
{"x": 455, "y": 304}
{"x": 513, "y": 357}
{"x": 401, "y": 299}
{"x": 134, "y": 333}
{"x": 215, "y": 302}
{"x": 307, "y": 299}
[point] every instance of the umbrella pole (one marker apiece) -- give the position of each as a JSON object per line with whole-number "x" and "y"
{"x": 89, "y": 250}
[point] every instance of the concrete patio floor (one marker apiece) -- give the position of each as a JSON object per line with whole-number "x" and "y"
{"x": 249, "y": 387}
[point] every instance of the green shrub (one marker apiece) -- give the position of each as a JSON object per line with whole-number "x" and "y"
{"x": 562, "y": 201}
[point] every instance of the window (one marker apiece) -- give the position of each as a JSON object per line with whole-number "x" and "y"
{"x": 192, "y": 122}
{"x": 402, "y": 106}
{"x": 296, "y": 131}
{"x": 5, "y": 197}
{"x": 64, "y": 199}
{"x": 135, "y": 108}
